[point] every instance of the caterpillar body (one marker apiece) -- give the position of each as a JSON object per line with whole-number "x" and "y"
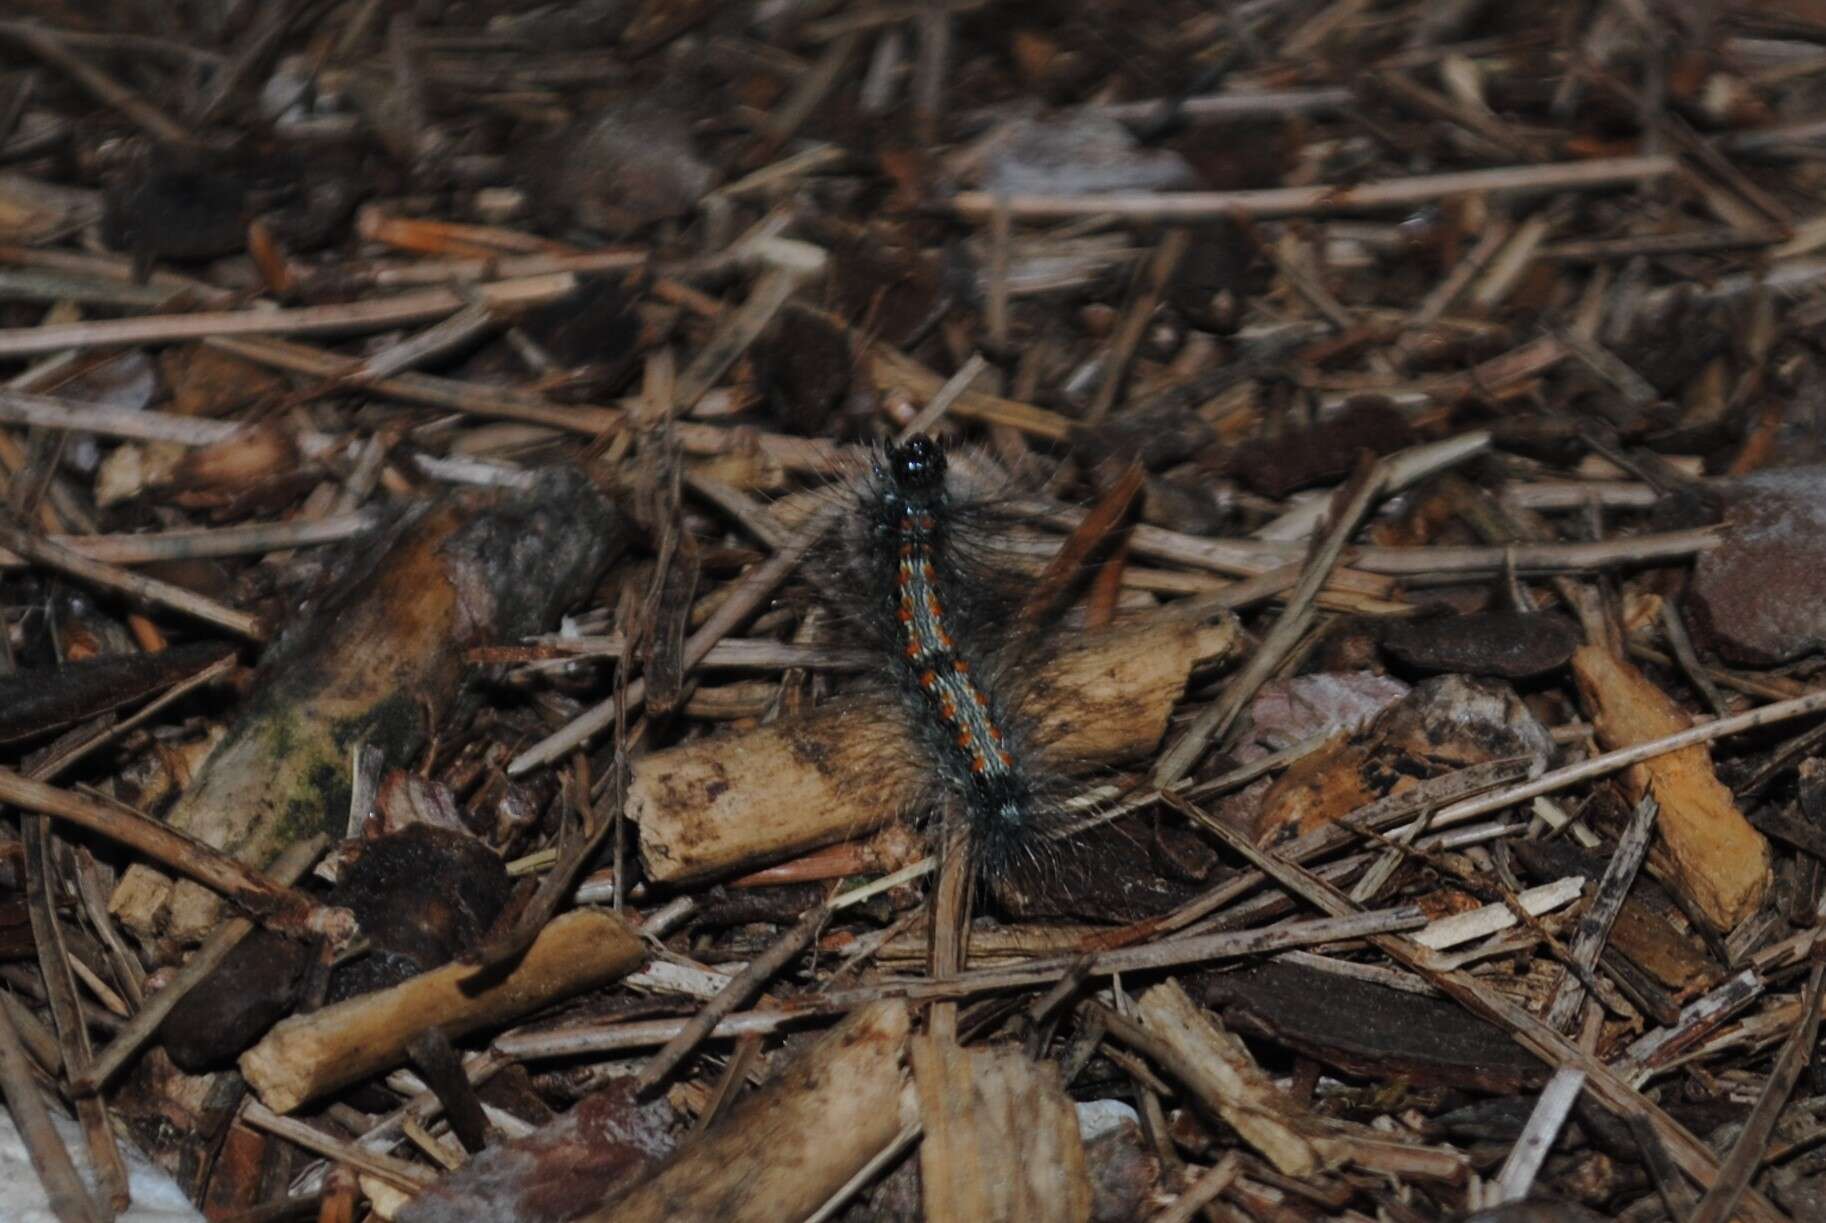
{"x": 941, "y": 613}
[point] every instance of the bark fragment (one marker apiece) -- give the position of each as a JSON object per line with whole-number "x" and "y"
{"x": 785, "y": 1149}
{"x": 1001, "y": 1140}
{"x": 795, "y": 785}
{"x": 382, "y": 659}
{"x": 1709, "y": 850}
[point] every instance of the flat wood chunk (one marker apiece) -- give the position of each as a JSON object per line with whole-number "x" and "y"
{"x": 1644, "y": 931}
{"x": 1445, "y": 723}
{"x": 1372, "y": 1030}
{"x": 1321, "y": 788}
{"x": 1001, "y": 1140}
{"x": 1228, "y": 1077}
{"x": 1711, "y": 853}
{"x": 786, "y": 1148}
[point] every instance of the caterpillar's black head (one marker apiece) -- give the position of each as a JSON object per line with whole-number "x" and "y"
{"x": 917, "y": 468}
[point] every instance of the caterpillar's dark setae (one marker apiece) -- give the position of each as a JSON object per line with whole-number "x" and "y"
{"x": 931, "y": 619}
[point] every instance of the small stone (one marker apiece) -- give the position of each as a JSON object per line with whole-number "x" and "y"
{"x": 1760, "y": 596}
{"x": 1287, "y": 711}
{"x": 1509, "y": 644}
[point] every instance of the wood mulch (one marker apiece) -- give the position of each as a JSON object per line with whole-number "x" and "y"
{"x": 451, "y": 761}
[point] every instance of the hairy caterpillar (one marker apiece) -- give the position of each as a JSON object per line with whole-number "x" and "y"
{"x": 922, "y": 559}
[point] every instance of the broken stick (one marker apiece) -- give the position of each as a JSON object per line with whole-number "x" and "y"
{"x": 309, "y": 1055}
{"x": 738, "y": 801}
{"x": 380, "y": 662}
